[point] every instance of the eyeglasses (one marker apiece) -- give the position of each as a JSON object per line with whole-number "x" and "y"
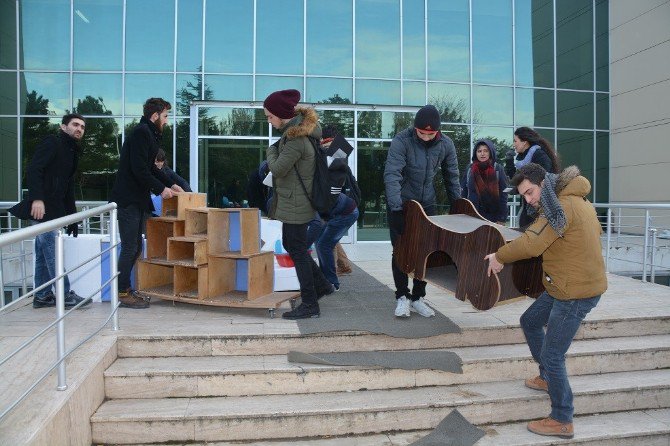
{"x": 425, "y": 132}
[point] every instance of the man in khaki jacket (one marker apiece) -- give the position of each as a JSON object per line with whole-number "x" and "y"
{"x": 566, "y": 233}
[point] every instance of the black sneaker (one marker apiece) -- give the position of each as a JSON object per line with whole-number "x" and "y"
{"x": 326, "y": 290}
{"x": 72, "y": 299}
{"x": 302, "y": 311}
{"x": 42, "y": 302}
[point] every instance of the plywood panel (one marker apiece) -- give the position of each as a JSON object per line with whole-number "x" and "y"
{"x": 196, "y": 221}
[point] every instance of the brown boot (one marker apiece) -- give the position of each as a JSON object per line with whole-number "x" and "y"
{"x": 132, "y": 299}
{"x": 342, "y": 261}
{"x": 550, "y": 427}
{"x": 537, "y": 383}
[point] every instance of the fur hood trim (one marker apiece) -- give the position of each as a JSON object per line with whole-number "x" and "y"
{"x": 568, "y": 174}
{"x": 307, "y": 120}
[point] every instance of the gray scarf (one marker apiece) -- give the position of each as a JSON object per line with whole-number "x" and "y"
{"x": 551, "y": 207}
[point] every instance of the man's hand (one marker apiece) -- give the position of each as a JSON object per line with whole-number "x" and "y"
{"x": 73, "y": 229}
{"x": 494, "y": 266}
{"x": 177, "y": 188}
{"x": 167, "y": 193}
{"x": 37, "y": 210}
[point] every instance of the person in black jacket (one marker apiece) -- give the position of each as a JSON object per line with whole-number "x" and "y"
{"x": 162, "y": 165}
{"x": 530, "y": 147}
{"x": 50, "y": 184}
{"x": 136, "y": 178}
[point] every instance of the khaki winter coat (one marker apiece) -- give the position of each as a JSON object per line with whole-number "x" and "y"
{"x": 573, "y": 264}
{"x": 289, "y": 202}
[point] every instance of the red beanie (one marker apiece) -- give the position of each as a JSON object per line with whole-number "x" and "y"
{"x": 282, "y": 103}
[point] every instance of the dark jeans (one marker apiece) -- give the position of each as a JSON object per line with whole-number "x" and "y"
{"x": 562, "y": 318}
{"x": 45, "y": 264}
{"x": 400, "y": 279}
{"x": 332, "y": 232}
{"x": 132, "y": 221}
{"x": 312, "y": 281}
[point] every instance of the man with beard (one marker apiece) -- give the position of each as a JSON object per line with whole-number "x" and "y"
{"x": 136, "y": 178}
{"x": 50, "y": 183}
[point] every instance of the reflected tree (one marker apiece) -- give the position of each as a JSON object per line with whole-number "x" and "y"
{"x": 35, "y": 129}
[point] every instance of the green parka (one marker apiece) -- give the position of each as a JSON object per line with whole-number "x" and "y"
{"x": 289, "y": 202}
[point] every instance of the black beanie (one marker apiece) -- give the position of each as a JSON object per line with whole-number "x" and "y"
{"x": 427, "y": 118}
{"x": 282, "y": 103}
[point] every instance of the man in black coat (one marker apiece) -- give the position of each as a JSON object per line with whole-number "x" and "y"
{"x": 136, "y": 178}
{"x": 50, "y": 184}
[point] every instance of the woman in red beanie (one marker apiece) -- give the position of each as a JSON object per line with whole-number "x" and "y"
{"x": 289, "y": 157}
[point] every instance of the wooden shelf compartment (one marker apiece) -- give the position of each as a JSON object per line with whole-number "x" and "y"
{"x": 177, "y": 205}
{"x": 191, "y": 282}
{"x": 253, "y": 274}
{"x": 187, "y": 251}
{"x": 234, "y": 230}
{"x": 155, "y": 277}
{"x": 196, "y": 222}
{"x": 159, "y": 230}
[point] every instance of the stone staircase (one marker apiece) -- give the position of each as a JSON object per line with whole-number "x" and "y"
{"x": 242, "y": 389}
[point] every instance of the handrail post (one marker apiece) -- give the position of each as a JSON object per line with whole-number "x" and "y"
{"x": 645, "y": 252}
{"x": 60, "y": 310}
{"x": 653, "y": 254}
{"x": 113, "y": 268}
{"x": 2, "y": 283}
{"x": 24, "y": 280}
{"x": 609, "y": 239}
{"x": 618, "y": 227}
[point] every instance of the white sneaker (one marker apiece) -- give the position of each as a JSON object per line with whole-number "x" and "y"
{"x": 419, "y": 306}
{"x": 402, "y": 307}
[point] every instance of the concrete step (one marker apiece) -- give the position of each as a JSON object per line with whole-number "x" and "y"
{"x": 632, "y": 428}
{"x": 129, "y": 421}
{"x": 283, "y": 336}
{"x": 273, "y": 374}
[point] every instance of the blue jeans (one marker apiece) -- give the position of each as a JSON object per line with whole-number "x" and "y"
{"x": 333, "y": 231}
{"x": 562, "y": 318}
{"x": 45, "y": 264}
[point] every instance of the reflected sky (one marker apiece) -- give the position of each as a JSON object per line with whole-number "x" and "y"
{"x": 414, "y": 93}
{"x": 140, "y": 87}
{"x": 534, "y": 107}
{"x": 40, "y": 18}
{"x": 534, "y": 38}
{"x": 149, "y": 35}
{"x": 229, "y": 43}
{"x": 377, "y": 36}
{"x": 325, "y": 89}
{"x": 448, "y": 41}
{"x": 454, "y": 98}
{"x": 329, "y": 38}
{"x": 52, "y": 86}
{"x": 279, "y": 41}
{"x": 93, "y": 19}
{"x": 233, "y": 88}
{"x": 492, "y": 41}
{"x": 105, "y": 86}
{"x": 377, "y": 92}
{"x": 189, "y": 35}
{"x": 414, "y": 44}
{"x": 492, "y": 105}
{"x": 268, "y": 84}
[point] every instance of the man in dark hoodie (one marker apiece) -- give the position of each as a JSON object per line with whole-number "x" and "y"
{"x": 412, "y": 162}
{"x": 50, "y": 183}
{"x": 136, "y": 178}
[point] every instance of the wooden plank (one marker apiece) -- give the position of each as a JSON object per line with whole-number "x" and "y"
{"x": 187, "y": 249}
{"x": 261, "y": 275}
{"x": 250, "y": 220}
{"x": 218, "y": 232}
{"x": 158, "y": 231}
{"x": 151, "y": 275}
{"x": 233, "y": 299}
{"x": 196, "y": 221}
{"x": 191, "y": 281}
{"x": 177, "y": 205}
{"x": 221, "y": 275}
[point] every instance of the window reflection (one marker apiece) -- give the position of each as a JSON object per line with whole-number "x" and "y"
{"x": 40, "y": 18}
{"x": 47, "y": 93}
{"x": 492, "y": 105}
{"x": 372, "y": 224}
{"x": 105, "y": 88}
{"x": 602, "y": 167}
{"x": 534, "y": 37}
{"x": 267, "y": 84}
{"x": 413, "y": 40}
{"x": 382, "y": 125}
{"x": 492, "y": 41}
{"x": 182, "y": 164}
{"x": 414, "y": 93}
{"x": 574, "y": 44}
{"x": 93, "y": 19}
{"x": 100, "y": 148}
{"x": 453, "y": 99}
{"x": 140, "y": 87}
{"x": 342, "y": 119}
{"x": 575, "y": 110}
{"x": 229, "y": 36}
{"x": 149, "y": 35}
{"x": 189, "y": 35}
{"x": 7, "y": 92}
{"x": 189, "y": 88}
{"x": 329, "y": 90}
{"x": 602, "y": 45}
{"x": 228, "y": 88}
{"x": 377, "y": 92}
{"x": 460, "y": 135}
{"x": 534, "y": 107}
{"x": 378, "y": 39}
{"x": 232, "y": 121}
{"x": 602, "y": 111}
{"x": 9, "y": 161}
{"x": 8, "y": 40}
{"x": 575, "y": 147}
{"x": 448, "y": 41}
{"x": 329, "y": 38}
{"x": 279, "y": 21}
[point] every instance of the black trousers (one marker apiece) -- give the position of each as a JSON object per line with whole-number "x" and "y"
{"x": 312, "y": 280}
{"x": 401, "y": 279}
{"x": 132, "y": 222}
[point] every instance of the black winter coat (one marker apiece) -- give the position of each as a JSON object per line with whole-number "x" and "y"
{"x": 50, "y": 178}
{"x": 138, "y": 176}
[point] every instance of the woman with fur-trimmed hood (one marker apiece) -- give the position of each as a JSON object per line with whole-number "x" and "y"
{"x": 292, "y": 160}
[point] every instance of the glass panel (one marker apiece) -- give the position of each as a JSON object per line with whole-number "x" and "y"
{"x": 229, "y": 88}
{"x": 492, "y": 41}
{"x": 342, "y": 119}
{"x": 448, "y": 41}
{"x": 383, "y": 125}
{"x": 602, "y": 111}
{"x": 377, "y": 92}
{"x": 33, "y": 131}
{"x": 93, "y": 19}
{"x": 414, "y": 93}
{"x": 189, "y": 35}
{"x": 602, "y": 167}
{"x": 453, "y": 99}
{"x": 288, "y": 13}
{"x": 47, "y": 93}
{"x": 576, "y": 148}
{"x": 102, "y": 89}
{"x": 534, "y": 31}
{"x": 372, "y": 225}
{"x": 149, "y": 31}
{"x": 378, "y": 38}
{"x": 189, "y": 88}
{"x": 492, "y": 105}
{"x": 100, "y": 158}
{"x": 268, "y": 84}
{"x": 140, "y": 87}
{"x": 7, "y": 34}
{"x": 229, "y": 36}
{"x": 460, "y": 135}
{"x": 329, "y": 90}
{"x": 575, "y": 110}
{"x": 500, "y": 136}
{"x": 182, "y": 165}
{"x": 7, "y": 93}
{"x": 602, "y": 46}
{"x": 413, "y": 40}
{"x": 534, "y": 107}
{"x": 232, "y": 121}
{"x": 225, "y": 165}
{"x": 329, "y": 32}
{"x": 574, "y": 44}
{"x": 9, "y": 170}
{"x": 40, "y": 18}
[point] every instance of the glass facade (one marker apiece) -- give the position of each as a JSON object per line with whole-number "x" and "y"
{"x": 366, "y": 65}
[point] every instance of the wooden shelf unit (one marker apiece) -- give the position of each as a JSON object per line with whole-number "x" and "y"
{"x": 253, "y": 274}
{"x": 177, "y": 205}
{"x": 196, "y": 222}
{"x": 187, "y": 250}
{"x": 234, "y": 230}
{"x": 191, "y": 281}
{"x": 159, "y": 230}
